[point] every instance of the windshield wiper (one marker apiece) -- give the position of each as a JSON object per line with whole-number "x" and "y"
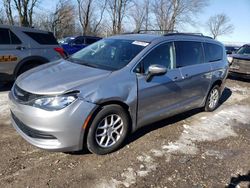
{"x": 79, "y": 61}
{"x": 90, "y": 65}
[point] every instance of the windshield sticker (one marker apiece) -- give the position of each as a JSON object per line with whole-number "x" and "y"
{"x": 140, "y": 43}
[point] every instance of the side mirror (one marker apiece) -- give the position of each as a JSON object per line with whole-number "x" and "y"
{"x": 154, "y": 70}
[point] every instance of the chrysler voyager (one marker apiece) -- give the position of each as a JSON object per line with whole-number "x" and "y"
{"x": 99, "y": 95}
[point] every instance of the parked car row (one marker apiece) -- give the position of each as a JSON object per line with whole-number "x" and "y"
{"x": 231, "y": 49}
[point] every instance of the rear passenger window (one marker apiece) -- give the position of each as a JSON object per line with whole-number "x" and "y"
{"x": 4, "y": 36}
{"x": 43, "y": 38}
{"x": 213, "y": 52}
{"x": 161, "y": 55}
{"x": 188, "y": 53}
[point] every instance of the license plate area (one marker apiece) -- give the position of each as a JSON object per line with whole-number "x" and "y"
{"x": 236, "y": 67}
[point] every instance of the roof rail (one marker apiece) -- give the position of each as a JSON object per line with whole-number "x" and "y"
{"x": 189, "y": 34}
{"x": 157, "y": 30}
{"x": 168, "y": 33}
{"x": 183, "y": 33}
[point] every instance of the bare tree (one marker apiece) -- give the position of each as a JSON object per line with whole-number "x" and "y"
{"x": 140, "y": 14}
{"x": 25, "y": 9}
{"x": 117, "y": 10}
{"x": 171, "y": 13}
{"x": 2, "y": 20}
{"x": 8, "y": 11}
{"x": 97, "y": 20}
{"x": 147, "y": 4}
{"x": 90, "y": 14}
{"x": 61, "y": 21}
{"x": 85, "y": 12}
{"x": 219, "y": 25}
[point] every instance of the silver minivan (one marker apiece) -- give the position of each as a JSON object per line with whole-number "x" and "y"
{"x": 106, "y": 91}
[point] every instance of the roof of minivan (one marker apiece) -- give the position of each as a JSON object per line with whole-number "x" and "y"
{"x": 140, "y": 37}
{"x": 150, "y": 37}
{"x": 21, "y": 28}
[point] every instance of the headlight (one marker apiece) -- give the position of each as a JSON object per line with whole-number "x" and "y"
{"x": 230, "y": 59}
{"x": 54, "y": 103}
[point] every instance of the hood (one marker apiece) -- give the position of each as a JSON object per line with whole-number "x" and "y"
{"x": 241, "y": 56}
{"x": 59, "y": 77}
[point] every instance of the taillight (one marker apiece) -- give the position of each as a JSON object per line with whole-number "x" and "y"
{"x": 60, "y": 51}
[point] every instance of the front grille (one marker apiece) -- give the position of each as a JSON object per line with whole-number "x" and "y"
{"x": 23, "y": 96}
{"x": 29, "y": 131}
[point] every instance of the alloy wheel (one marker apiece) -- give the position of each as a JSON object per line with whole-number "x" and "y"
{"x": 109, "y": 130}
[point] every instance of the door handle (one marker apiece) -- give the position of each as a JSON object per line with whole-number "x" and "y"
{"x": 20, "y": 47}
{"x": 175, "y": 78}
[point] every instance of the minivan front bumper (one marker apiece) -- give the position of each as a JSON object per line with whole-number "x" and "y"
{"x": 60, "y": 130}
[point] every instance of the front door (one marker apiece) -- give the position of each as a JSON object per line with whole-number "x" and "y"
{"x": 160, "y": 96}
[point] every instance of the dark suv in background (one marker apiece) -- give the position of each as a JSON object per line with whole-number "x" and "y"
{"x": 24, "y": 48}
{"x": 74, "y": 44}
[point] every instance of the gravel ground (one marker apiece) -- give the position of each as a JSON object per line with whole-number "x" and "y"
{"x": 195, "y": 149}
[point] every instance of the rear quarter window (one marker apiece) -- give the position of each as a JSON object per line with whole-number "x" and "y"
{"x": 213, "y": 52}
{"x": 43, "y": 38}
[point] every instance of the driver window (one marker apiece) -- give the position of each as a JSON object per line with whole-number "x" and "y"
{"x": 161, "y": 55}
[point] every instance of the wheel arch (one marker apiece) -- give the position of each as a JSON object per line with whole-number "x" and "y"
{"x": 40, "y": 60}
{"x": 217, "y": 82}
{"x": 98, "y": 109}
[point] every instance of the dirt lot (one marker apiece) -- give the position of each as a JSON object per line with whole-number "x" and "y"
{"x": 195, "y": 149}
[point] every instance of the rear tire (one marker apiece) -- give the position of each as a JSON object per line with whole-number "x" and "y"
{"x": 108, "y": 130}
{"x": 213, "y": 99}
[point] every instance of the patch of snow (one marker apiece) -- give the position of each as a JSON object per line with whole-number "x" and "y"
{"x": 128, "y": 176}
{"x": 149, "y": 163}
{"x": 217, "y": 154}
{"x": 238, "y": 94}
{"x": 4, "y": 107}
{"x": 216, "y": 126}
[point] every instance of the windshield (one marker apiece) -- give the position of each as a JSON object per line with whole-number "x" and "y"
{"x": 109, "y": 54}
{"x": 244, "y": 50}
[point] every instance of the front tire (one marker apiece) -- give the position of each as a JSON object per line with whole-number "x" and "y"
{"x": 108, "y": 130}
{"x": 213, "y": 99}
